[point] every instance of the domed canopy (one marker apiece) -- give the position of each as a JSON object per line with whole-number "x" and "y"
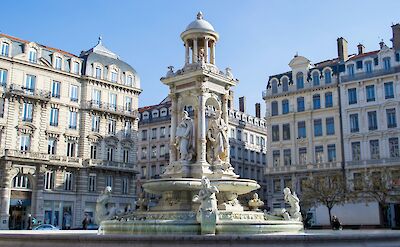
{"x": 200, "y": 23}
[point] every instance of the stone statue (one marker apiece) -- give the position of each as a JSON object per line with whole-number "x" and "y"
{"x": 142, "y": 202}
{"x": 228, "y": 73}
{"x": 170, "y": 71}
{"x": 103, "y": 212}
{"x": 293, "y": 201}
{"x": 184, "y": 137}
{"x": 207, "y": 213}
{"x": 201, "y": 55}
{"x": 255, "y": 203}
{"x": 217, "y": 134}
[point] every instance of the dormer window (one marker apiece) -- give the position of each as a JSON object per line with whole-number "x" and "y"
{"x": 58, "y": 63}
{"x": 274, "y": 87}
{"x": 98, "y": 73}
{"x": 33, "y": 55}
{"x": 300, "y": 80}
{"x": 328, "y": 76}
{"x": 315, "y": 78}
{"x": 114, "y": 76}
{"x": 368, "y": 67}
{"x": 285, "y": 84}
{"x": 386, "y": 63}
{"x": 76, "y": 68}
{"x": 5, "y": 49}
{"x": 129, "y": 80}
{"x": 350, "y": 69}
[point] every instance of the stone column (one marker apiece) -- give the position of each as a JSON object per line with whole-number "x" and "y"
{"x": 5, "y": 195}
{"x": 212, "y": 51}
{"x": 225, "y": 117}
{"x": 206, "y": 50}
{"x": 201, "y": 118}
{"x": 195, "y": 57}
{"x": 174, "y": 113}
{"x": 37, "y": 194}
{"x": 187, "y": 56}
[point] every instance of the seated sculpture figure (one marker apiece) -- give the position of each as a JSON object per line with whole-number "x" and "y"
{"x": 103, "y": 210}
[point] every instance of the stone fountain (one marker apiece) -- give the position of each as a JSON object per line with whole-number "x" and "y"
{"x": 199, "y": 189}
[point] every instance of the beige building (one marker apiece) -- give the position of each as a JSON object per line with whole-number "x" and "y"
{"x": 68, "y": 129}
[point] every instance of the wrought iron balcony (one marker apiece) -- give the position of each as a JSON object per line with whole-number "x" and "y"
{"x": 65, "y": 159}
{"x": 106, "y": 164}
{"x": 373, "y": 163}
{"x": 303, "y": 168}
{"x": 110, "y": 108}
{"x": 367, "y": 75}
{"x": 19, "y": 90}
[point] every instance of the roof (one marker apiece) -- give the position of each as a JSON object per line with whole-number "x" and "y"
{"x": 153, "y": 107}
{"x": 44, "y": 46}
{"x": 366, "y": 54}
{"x": 200, "y": 23}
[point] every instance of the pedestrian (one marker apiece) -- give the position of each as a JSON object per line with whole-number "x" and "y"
{"x": 29, "y": 227}
{"x": 86, "y": 221}
{"x": 67, "y": 219}
{"x": 336, "y": 225}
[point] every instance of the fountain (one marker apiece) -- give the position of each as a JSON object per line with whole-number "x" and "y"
{"x": 199, "y": 189}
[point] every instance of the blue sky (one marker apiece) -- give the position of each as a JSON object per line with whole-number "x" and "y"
{"x": 257, "y": 38}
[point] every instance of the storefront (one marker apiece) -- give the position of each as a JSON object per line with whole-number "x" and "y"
{"x": 20, "y": 208}
{"x": 59, "y": 213}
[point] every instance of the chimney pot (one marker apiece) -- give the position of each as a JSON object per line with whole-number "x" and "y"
{"x": 361, "y": 48}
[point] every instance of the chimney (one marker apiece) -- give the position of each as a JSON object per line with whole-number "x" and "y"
{"x": 343, "y": 55}
{"x": 258, "y": 110}
{"x": 396, "y": 36}
{"x": 242, "y": 104}
{"x": 361, "y": 48}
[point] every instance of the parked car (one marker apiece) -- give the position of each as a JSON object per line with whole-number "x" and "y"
{"x": 46, "y": 227}
{"x": 92, "y": 227}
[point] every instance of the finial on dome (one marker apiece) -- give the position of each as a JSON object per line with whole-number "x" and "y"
{"x": 100, "y": 38}
{"x": 200, "y": 16}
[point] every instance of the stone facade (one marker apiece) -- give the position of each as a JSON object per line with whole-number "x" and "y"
{"x": 68, "y": 129}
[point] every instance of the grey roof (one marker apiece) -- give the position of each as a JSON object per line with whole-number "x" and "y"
{"x": 200, "y": 23}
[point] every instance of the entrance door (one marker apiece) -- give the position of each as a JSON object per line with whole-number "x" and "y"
{"x": 20, "y": 207}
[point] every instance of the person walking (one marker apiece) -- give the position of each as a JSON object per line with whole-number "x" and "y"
{"x": 336, "y": 225}
{"x": 86, "y": 221}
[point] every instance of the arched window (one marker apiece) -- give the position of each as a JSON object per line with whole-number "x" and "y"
{"x": 315, "y": 78}
{"x": 274, "y": 108}
{"x": 285, "y": 84}
{"x": 114, "y": 76}
{"x": 300, "y": 80}
{"x": 316, "y": 101}
{"x": 328, "y": 76}
{"x": 274, "y": 86}
{"x": 21, "y": 181}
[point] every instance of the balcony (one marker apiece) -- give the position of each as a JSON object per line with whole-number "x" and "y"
{"x": 65, "y": 159}
{"x": 25, "y": 155}
{"x": 36, "y": 94}
{"x": 373, "y": 163}
{"x": 110, "y": 108}
{"x": 367, "y": 75}
{"x": 304, "y": 168}
{"x": 113, "y": 165}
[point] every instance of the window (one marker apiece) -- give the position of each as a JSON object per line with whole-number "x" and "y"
{"x": 73, "y": 119}
{"x": 285, "y": 84}
{"x": 239, "y": 135}
{"x": 319, "y": 154}
{"x": 127, "y": 128}
{"x": 68, "y": 181}
{"x": 274, "y": 86}
{"x": 374, "y": 149}
{"x": 300, "y": 80}
{"x": 114, "y": 76}
{"x": 376, "y": 61}
{"x": 359, "y": 64}
{"x": 58, "y": 63}
{"x": 51, "y": 146}
{"x": 55, "y": 89}
{"x": 49, "y": 178}
{"x": 93, "y": 151}
{"x": 95, "y": 123}
{"x": 112, "y": 100}
{"x": 276, "y": 158}
{"x": 286, "y": 131}
{"x": 354, "y": 123}
{"x": 352, "y": 93}
{"x": 287, "y": 157}
{"x": 391, "y": 118}
{"x": 125, "y": 156}
{"x": 275, "y": 133}
{"x": 21, "y": 181}
{"x": 129, "y": 80}
{"x": 328, "y": 76}
{"x": 350, "y": 70}
{"x": 162, "y": 132}
{"x": 285, "y": 106}
{"x": 154, "y": 152}
{"x": 109, "y": 180}
{"x": 330, "y": 126}
{"x": 98, "y": 72}
{"x": 368, "y": 67}
{"x": 317, "y": 127}
{"x": 3, "y": 77}
{"x": 251, "y": 138}
{"x": 315, "y": 78}
{"x": 5, "y": 49}
{"x": 370, "y": 93}
{"x": 111, "y": 126}
{"x": 144, "y": 135}
{"x": 125, "y": 186}
{"x": 143, "y": 171}
{"x": 76, "y": 67}
{"x": 277, "y": 186}
{"x": 386, "y": 63}
{"x": 24, "y": 142}
{"x": 110, "y": 153}
{"x": 30, "y": 83}
{"x": 389, "y": 92}
{"x": 302, "y": 156}
{"x": 328, "y": 100}
{"x": 74, "y": 93}
{"x": 128, "y": 103}
{"x": 54, "y": 116}
{"x": 71, "y": 148}
{"x": 144, "y": 153}
{"x": 300, "y": 104}
{"x": 274, "y": 108}
{"x": 372, "y": 120}
{"x": 358, "y": 181}
{"x": 27, "y": 110}
{"x": 331, "y": 153}
{"x": 33, "y": 55}
{"x": 154, "y": 133}
{"x": 301, "y": 126}
{"x": 92, "y": 182}
{"x": 356, "y": 151}
{"x": 96, "y": 96}
{"x": 316, "y": 101}
{"x": 394, "y": 147}
{"x": 162, "y": 150}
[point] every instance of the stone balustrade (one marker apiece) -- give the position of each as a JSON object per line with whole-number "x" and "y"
{"x": 304, "y": 168}
{"x": 110, "y": 108}
{"x": 109, "y": 164}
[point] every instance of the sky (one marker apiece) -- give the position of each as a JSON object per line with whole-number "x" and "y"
{"x": 257, "y": 38}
